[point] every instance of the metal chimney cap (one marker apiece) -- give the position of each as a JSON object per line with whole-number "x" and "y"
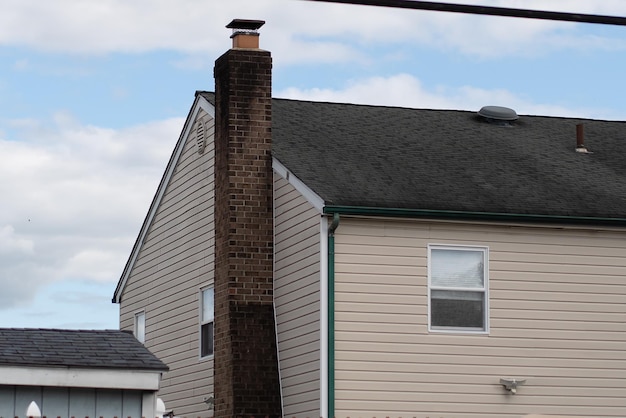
{"x": 498, "y": 113}
{"x": 245, "y": 24}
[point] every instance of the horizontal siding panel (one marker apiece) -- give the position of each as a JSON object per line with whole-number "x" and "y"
{"x": 369, "y": 408}
{"x": 486, "y": 388}
{"x": 305, "y": 357}
{"x": 557, "y": 314}
{"x": 380, "y": 308}
{"x": 477, "y": 369}
{"x": 295, "y": 323}
{"x": 551, "y": 305}
{"x": 600, "y": 270}
{"x": 307, "y": 304}
{"x": 479, "y": 350}
{"x": 381, "y": 260}
{"x": 558, "y": 259}
{"x": 584, "y": 325}
{"x": 377, "y": 319}
{"x": 383, "y": 271}
{"x": 513, "y": 248}
{"x": 303, "y": 385}
{"x": 175, "y": 260}
{"x": 477, "y": 340}
{"x": 533, "y": 277}
{"x": 383, "y": 288}
{"x": 307, "y": 341}
{"x": 296, "y": 297}
{"x": 554, "y": 237}
{"x": 296, "y": 244}
{"x": 302, "y": 294}
{"x": 535, "y": 383}
{"x": 559, "y": 334}
{"x": 477, "y": 359}
{"x": 558, "y": 296}
{"x": 472, "y": 401}
{"x": 413, "y": 300}
{"x": 586, "y": 288}
{"x": 357, "y": 280}
{"x": 300, "y": 268}
{"x": 299, "y": 258}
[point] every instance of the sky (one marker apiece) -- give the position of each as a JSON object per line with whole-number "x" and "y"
{"x": 94, "y": 94}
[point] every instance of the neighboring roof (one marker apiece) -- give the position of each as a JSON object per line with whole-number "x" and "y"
{"x": 447, "y": 160}
{"x": 102, "y": 349}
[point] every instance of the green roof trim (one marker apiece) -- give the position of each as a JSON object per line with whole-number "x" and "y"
{"x": 471, "y": 216}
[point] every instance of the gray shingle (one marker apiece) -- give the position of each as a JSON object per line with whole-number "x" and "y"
{"x": 75, "y": 348}
{"x": 446, "y": 160}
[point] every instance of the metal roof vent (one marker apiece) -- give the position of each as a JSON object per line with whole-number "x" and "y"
{"x": 498, "y": 115}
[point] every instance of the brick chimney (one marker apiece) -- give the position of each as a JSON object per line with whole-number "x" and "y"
{"x": 246, "y": 366}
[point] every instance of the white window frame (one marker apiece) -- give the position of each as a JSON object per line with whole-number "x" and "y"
{"x": 140, "y": 336}
{"x": 485, "y": 289}
{"x": 204, "y": 322}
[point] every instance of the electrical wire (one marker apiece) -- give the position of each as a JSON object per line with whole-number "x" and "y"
{"x": 488, "y": 10}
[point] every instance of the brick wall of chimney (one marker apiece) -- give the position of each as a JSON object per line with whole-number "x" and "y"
{"x": 246, "y": 366}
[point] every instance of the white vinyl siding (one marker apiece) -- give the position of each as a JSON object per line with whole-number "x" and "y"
{"x": 297, "y": 299}
{"x": 175, "y": 261}
{"x": 557, "y": 313}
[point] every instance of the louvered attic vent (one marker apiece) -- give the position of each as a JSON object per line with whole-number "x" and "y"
{"x": 200, "y": 140}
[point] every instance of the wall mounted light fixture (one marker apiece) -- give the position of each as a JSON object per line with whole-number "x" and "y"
{"x": 511, "y": 384}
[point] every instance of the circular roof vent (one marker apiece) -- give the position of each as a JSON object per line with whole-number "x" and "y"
{"x": 498, "y": 113}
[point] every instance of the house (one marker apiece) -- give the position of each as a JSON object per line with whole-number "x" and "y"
{"x": 324, "y": 259}
{"x": 77, "y": 373}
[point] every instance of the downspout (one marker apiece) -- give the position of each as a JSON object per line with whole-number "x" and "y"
{"x": 331, "y": 315}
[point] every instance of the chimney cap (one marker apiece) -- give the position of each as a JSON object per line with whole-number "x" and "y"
{"x": 245, "y": 24}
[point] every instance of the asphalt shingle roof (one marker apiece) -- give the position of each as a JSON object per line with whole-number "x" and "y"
{"x": 110, "y": 349}
{"x": 447, "y": 160}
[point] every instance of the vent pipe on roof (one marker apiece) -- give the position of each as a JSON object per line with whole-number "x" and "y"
{"x": 580, "y": 138}
{"x": 245, "y": 33}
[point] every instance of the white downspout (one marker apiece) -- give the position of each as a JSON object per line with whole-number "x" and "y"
{"x": 323, "y": 316}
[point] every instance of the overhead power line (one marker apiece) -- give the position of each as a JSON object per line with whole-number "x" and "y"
{"x": 488, "y": 10}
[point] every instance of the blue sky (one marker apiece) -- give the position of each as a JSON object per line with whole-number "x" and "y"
{"x": 93, "y": 96}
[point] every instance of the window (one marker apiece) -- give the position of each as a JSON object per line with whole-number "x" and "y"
{"x": 206, "y": 323}
{"x": 140, "y": 327}
{"x": 457, "y": 288}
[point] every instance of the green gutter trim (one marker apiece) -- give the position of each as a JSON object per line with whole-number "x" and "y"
{"x": 331, "y": 314}
{"x": 477, "y": 216}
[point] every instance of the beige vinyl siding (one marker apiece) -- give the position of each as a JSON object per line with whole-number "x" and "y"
{"x": 177, "y": 260}
{"x": 297, "y": 299}
{"x": 557, "y": 318}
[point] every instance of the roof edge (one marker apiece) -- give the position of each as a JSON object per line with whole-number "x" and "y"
{"x": 471, "y": 216}
{"x": 135, "y": 379}
{"x": 200, "y": 102}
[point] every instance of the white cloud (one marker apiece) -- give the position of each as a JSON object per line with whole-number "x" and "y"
{"x": 78, "y": 195}
{"x": 405, "y": 90}
{"x": 11, "y": 243}
{"x": 296, "y": 30}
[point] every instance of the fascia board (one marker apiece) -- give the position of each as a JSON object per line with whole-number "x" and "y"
{"x": 313, "y": 198}
{"x": 199, "y": 103}
{"x": 80, "y": 378}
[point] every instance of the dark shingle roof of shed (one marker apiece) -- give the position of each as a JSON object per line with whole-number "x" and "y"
{"x": 75, "y": 348}
{"x": 447, "y": 160}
